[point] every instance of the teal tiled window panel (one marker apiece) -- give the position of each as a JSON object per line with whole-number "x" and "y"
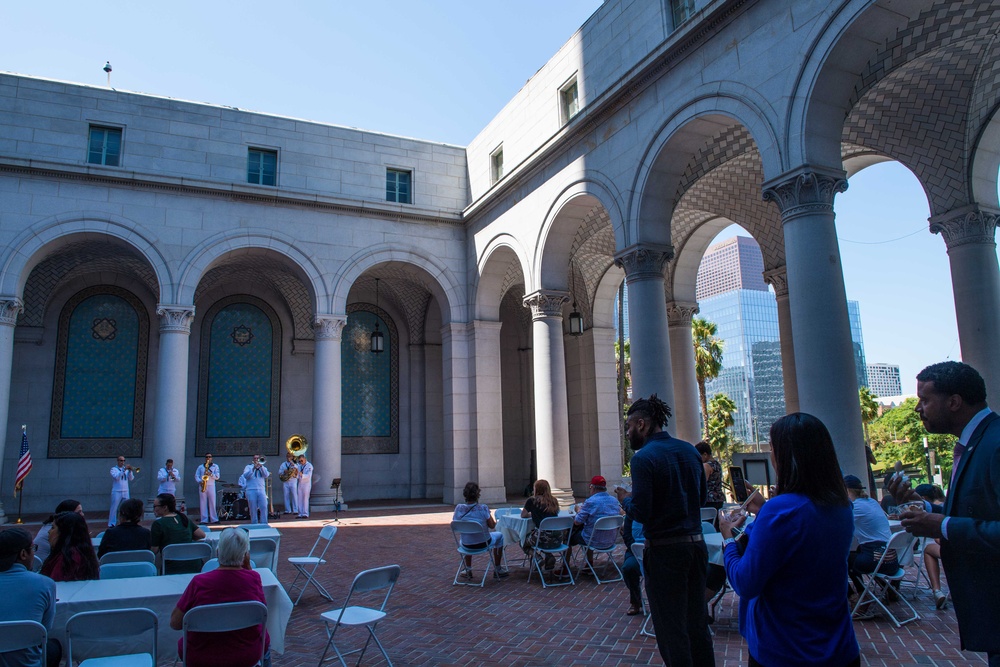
{"x": 370, "y": 384}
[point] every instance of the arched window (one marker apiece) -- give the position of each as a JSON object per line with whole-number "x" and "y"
{"x": 370, "y": 384}
{"x": 99, "y": 387}
{"x": 239, "y": 384}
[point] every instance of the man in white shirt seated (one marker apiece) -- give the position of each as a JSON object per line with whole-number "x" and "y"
{"x": 26, "y": 597}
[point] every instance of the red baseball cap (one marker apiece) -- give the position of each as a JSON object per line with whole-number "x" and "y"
{"x": 597, "y": 480}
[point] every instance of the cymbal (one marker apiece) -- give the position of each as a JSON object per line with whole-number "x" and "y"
{"x": 227, "y": 485}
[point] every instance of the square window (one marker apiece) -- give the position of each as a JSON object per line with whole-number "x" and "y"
{"x": 569, "y": 95}
{"x": 104, "y": 146}
{"x": 496, "y": 165}
{"x": 397, "y": 186}
{"x": 262, "y": 167}
{"x": 681, "y": 11}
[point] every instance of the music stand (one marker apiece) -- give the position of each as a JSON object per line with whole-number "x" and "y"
{"x": 335, "y": 485}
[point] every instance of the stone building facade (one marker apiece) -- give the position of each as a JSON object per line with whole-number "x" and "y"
{"x": 166, "y": 226}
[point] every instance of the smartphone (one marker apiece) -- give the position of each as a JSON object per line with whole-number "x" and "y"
{"x": 739, "y": 484}
{"x": 899, "y": 472}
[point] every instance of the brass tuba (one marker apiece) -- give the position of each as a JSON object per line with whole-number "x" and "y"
{"x": 296, "y": 445}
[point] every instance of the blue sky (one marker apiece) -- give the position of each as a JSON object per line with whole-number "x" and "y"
{"x": 440, "y": 70}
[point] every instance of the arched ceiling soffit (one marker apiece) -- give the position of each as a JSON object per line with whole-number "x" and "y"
{"x": 511, "y": 277}
{"x": 919, "y": 115}
{"x": 404, "y": 290}
{"x": 591, "y": 255}
{"x": 512, "y": 309}
{"x": 264, "y": 270}
{"x": 77, "y": 259}
{"x": 721, "y": 148}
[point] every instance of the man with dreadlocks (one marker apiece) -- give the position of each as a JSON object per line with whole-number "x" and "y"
{"x": 668, "y": 491}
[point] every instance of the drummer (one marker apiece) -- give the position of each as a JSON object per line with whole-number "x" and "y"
{"x": 205, "y": 477}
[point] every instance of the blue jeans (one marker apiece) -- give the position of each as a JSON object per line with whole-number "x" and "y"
{"x": 633, "y": 577}
{"x": 675, "y": 589}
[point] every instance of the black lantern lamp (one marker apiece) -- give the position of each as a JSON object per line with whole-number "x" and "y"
{"x": 378, "y": 340}
{"x": 575, "y": 318}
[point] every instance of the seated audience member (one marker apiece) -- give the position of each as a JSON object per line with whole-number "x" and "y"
{"x": 631, "y": 572}
{"x": 72, "y": 556}
{"x": 42, "y": 537}
{"x": 932, "y": 548}
{"x": 232, "y": 581}
{"x": 887, "y": 501}
{"x": 473, "y": 510}
{"x": 26, "y": 597}
{"x": 172, "y": 527}
{"x": 871, "y": 528}
{"x": 542, "y": 505}
{"x": 713, "y": 476}
{"x": 599, "y": 504}
{"x": 127, "y": 535}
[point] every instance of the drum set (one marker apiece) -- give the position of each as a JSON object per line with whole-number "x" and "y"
{"x": 234, "y": 505}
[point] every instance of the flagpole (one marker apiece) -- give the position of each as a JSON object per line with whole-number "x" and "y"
{"x": 20, "y": 486}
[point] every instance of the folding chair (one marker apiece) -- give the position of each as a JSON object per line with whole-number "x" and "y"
{"x": 366, "y": 582}
{"x": 302, "y": 565}
{"x": 263, "y": 551}
{"x": 201, "y": 551}
{"x": 918, "y": 565}
{"x": 20, "y": 635}
{"x": 563, "y": 525}
{"x": 141, "y": 556}
{"x": 709, "y": 514}
{"x": 639, "y": 551}
{"x": 37, "y": 565}
{"x": 603, "y": 540}
{"x": 481, "y": 536}
{"x": 226, "y": 617}
{"x": 116, "y": 628}
{"x": 213, "y": 564}
{"x": 127, "y": 570}
{"x": 877, "y": 585}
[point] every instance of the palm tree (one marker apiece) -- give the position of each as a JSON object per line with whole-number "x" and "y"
{"x": 722, "y": 411}
{"x": 707, "y": 359}
{"x": 869, "y": 408}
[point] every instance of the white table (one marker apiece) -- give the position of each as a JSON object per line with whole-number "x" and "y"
{"x": 715, "y": 551}
{"x": 160, "y": 594}
{"x": 515, "y": 530}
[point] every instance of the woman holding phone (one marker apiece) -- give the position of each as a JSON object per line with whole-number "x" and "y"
{"x": 798, "y": 543}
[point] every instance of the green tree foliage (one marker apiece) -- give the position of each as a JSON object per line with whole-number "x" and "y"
{"x": 707, "y": 359}
{"x": 869, "y": 408}
{"x": 721, "y": 416}
{"x": 898, "y": 436}
{"x": 628, "y": 364}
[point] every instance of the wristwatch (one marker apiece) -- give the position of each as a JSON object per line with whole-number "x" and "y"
{"x": 727, "y": 541}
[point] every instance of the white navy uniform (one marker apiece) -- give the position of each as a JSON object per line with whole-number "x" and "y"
{"x": 305, "y": 487}
{"x": 206, "y": 498}
{"x": 119, "y": 491}
{"x": 256, "y": 495}
{"x": 291, "y": 487}
{"x": 166, "y": 484}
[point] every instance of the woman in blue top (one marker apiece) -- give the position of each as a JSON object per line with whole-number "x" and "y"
{"x": 792, "y": 576}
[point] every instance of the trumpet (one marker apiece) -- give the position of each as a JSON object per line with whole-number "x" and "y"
{"x": 135, "y": 470}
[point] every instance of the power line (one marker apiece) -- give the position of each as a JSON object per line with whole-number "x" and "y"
{"x": 898, "y": 238}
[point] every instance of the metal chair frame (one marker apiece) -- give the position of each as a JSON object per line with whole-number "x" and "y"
{"x": 269, "y": 551}
{"x": 226, "y": 617}
{"x": 878, "y": 584}
{"x": 465, "y": 527}
{"x": 300, "y": 563}
{"x": 186, "y": 551}
{"x": 639, "y": 551}
{"x": 112, "y": 625}
{"x": 365, "y": 582}
{"x": 564, "y": 525}
{"x": 133, "y": 570}
{"x": 19, "y": 635}
{"x": 137, "y": 556}
{"x": 603, "y": 525}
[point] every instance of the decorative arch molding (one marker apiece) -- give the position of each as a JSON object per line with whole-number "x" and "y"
{"x": 985, "y": 165}
{"x": 39, "y": 240}
{"x": 729, "y": 100}
{"x": 442, "y": 284}
{"x": 217, "y": 247}
{"x": 491, "y": 269}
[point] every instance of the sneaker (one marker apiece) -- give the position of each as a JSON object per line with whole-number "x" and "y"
{"x": 467, "y": 573}
{"x": 500, "y": 572}
{"x": 940, "y": 599}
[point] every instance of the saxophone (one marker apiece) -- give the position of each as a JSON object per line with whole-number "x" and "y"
{"x": 204, "y": 479}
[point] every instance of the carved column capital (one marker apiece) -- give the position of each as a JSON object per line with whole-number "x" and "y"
{"x": 644, "y": 261}
{"x": 329, "y": 327}
{"x": 10, "y": 308}
{"x": 778, "y": 279}
{"x": 679, "y": 313}
{"x": 804, "y": 191}
{"x": 966, "y": 225}
{"x": 175, "y": 318}
{"x": 546, "y": 303}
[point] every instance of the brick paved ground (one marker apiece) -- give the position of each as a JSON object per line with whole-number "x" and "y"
{"x": 514, "y": 622}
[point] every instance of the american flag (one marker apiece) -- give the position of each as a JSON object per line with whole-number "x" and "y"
{"x": 23, "y": 463}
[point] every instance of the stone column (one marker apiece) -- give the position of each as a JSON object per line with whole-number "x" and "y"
{"x": 10, "y": 308}
{"x": 644, "y": 267}
{"x": 459, "y": 454}
{"x": 778, "y": 279}
{"x": 325, "y": 442}
{"x": 170, "y": 424}
{"x": 969, "y": 235}
{"x": 824, "y": 356}
{"x": 418, "y": 421}
{"x": 686, "y": 422}
{"x": 488, "y": 411}
{"x": 609, "y": 426}
{"x": 551, "y": 404}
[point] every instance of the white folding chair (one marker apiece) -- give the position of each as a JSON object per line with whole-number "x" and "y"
{"x": 563, "y": 526}
{"x": 140, "y": 556}
{"x": 482, "y": 536}
{"x": 603, "y": 540}
{"x": 225, "y": 617}
{"x": 369, "y": 581}
{"x": 639, "y": 551}
{"x": 20, "y": 635}
{"x": 709, "y": 514}
{"x": 918, "y": 565}
{"x": 200, "y": 551}
{"x": 117, "y": 628}
{"x": 877, "y": 584}
{"x": 263, "y": 551}
{"x": 213, "y": 564}
{"x": 306, "y": 566}
{"x": 127, "y": 570}
{"x": 37, "y": 565}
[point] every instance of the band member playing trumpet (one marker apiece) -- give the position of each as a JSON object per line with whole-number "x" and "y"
{"x": 305, "y": 486}
{"x": 288, "y": 473}
{"x": 206, "y": 475}
{"x": 121, "y": 475}
{"x": 167, "y": 477}
{"x": 255, "y": 475}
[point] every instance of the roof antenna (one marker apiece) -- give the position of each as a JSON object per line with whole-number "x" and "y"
{"x": 107, "y": 68}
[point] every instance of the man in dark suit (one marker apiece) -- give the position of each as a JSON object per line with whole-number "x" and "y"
{"x": 952, "y": 399}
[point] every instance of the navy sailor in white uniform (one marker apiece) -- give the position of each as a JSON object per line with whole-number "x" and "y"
{"x": 121, "y": 475}
{"x": 255, "y": 475}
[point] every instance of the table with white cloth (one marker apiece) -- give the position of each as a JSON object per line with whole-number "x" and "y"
{"x": 159, "y": 594}
{"x": 256, "y": 530}
{"x": 713, "y": 541}
{"x": 515, "y": 530}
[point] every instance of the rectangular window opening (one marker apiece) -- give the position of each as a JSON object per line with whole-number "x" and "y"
{"x": 496, "y": 165}
{"x": 569, "y": 95}
{"x": 104, "y": 146}
{"x": 399, "y": 186}
{"x": 262, "y": 166}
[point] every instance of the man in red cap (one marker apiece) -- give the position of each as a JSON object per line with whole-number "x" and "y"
{"x": 599, "y": 504}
